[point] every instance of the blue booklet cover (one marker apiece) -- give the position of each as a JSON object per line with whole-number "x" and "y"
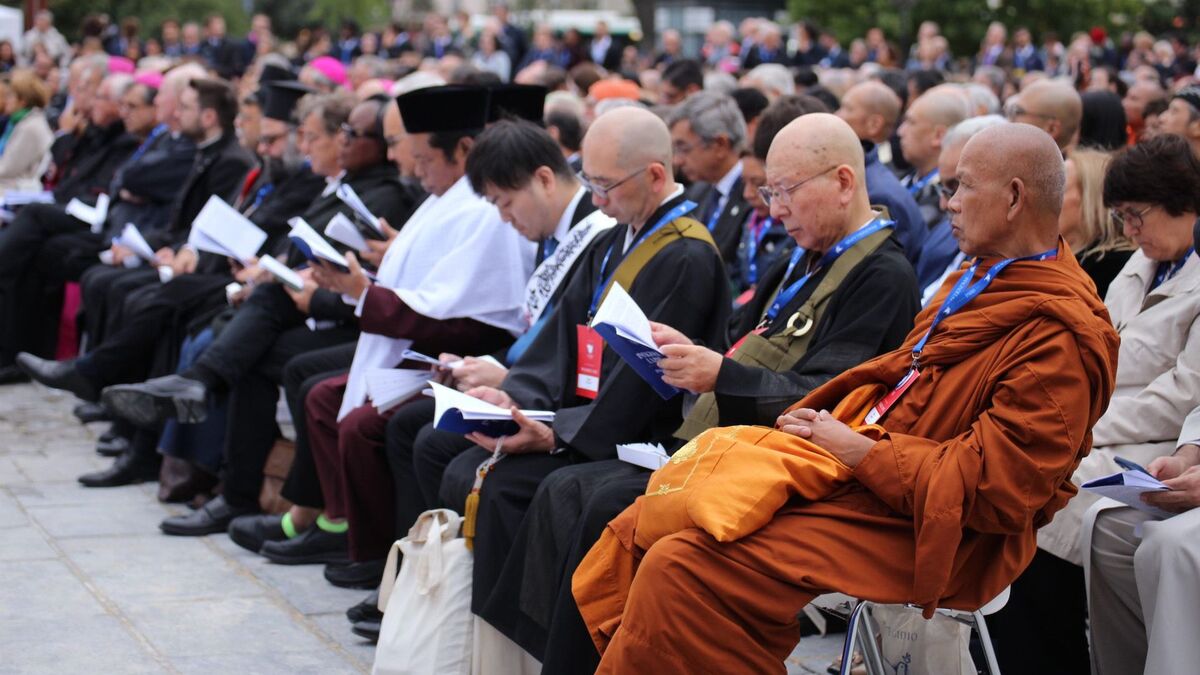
{"x": 643, "y": 359}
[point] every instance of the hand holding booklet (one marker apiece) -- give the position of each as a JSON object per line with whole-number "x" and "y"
{"x": 1128, "y": 487}
{"x": 458, "y": 413}
{"x": 132, "y": 239}
{"x": 220, "y": 229}
{"x": 342, "y": 230}
{"x": 389, "y": 387}
{"x": 626, "y": 329}
{"x": 350, "y": 197}
{"x": 286, "y": 275}
{"x": 313, "y": 245}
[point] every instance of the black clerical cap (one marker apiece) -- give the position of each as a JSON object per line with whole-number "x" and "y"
{"x": 273, "y": 73}
{"x": 447, "y": 108}
{"x": 280, "y": 99}
{"x": 521, "y": 101}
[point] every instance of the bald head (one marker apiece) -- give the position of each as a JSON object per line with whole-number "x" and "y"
{"x": 635, "y": 136}
{"x": 871, "y": 109}
{"x": 1052, "y": 105}
{"x": 814, "y": 142}
{"x": 1012, "y": 180}
{"x": 926, "y": 122}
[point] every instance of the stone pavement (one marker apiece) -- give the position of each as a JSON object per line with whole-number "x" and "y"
{"x": 91, "y": 586}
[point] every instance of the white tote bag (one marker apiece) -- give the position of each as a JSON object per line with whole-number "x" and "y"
{"x": 427, "y": 622}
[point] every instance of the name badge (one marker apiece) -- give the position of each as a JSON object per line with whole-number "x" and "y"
{"x": 757, "y": 331}
{"x": 746, "y": 296}
{"x": 892, "y": 396}
{"x": 590, "y": 351}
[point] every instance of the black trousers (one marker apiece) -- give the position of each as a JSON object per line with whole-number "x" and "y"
{"x": 40, "y": 250}
{"x": 303, "y": 486}
{"x": 104, "y": 290}
{"x": 1043, "y": 628}
{"x": 402, "y": 430}
{"x": 151, "y": 315}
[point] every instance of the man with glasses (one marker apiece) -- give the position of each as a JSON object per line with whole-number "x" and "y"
{"x": 707, "y": 136}
{"x": 1052, "y": 106}
{"x": 924, "y": 124}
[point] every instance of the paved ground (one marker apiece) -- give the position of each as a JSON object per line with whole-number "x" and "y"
{"x": 88, "y": 585}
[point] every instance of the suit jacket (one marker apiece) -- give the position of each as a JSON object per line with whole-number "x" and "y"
{"x": 939, "y": 249}
{"x": 218, "y": 169}
{"x": 225, "y": 57}
{"x": 756, "y": 56}
{"x": 885, "y": 190}
{"x": 612, "y": 55}
{"x": 154, "y": 180}
{"x": 727, "y": 231}
{"x": 85, "y": 164}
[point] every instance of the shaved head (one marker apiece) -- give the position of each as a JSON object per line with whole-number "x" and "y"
{"x": 1052, "y": 105}
{"x": 871, "y": 109}
{"x": 926, "y": 122}
{"x": 627, "y": 160}
{"x": 1011, "y": 181}
{"x": 815, "y": 171}
{"x": 635, "y": 136}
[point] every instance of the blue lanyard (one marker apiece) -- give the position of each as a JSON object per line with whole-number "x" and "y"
{"x": 1168, "y": 270}
{"x": 788, "y": 294}
{"x": 263, "y": 193}
{"x": 919, "y": 184}
{"x": 754, "y": 240}
{"x": 154, "y": 134}
{"x": 716, "y": 215}
{"x": 964, "y": 292}
{"x": 602, "y": 281}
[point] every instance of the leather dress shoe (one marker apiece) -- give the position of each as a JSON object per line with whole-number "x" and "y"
{"x": 58, "y": 375}
{"x": 12, "y": 374}
{"x": 251, "y": 532}
{"x": 129, "y": 468}
{"x": 112, "y": 447}
{"x": 88, "y": 412}
{"x": 368, "y": 630}
{"x": 367, "y": 610}
{"x": 153, "y": 402}
{"x": 364, "y": 575}
{"x": 314, "y": 545}
{"x": 213, "y": 517}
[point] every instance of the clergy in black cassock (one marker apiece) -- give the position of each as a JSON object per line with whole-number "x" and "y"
{"x": 627, "y": 163}
{"x": 850, "y": 309}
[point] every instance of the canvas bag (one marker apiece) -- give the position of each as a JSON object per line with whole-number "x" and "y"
{"x": 910, "y": 644}
{"x": 427, "y": 621}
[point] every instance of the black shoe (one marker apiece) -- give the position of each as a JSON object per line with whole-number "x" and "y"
{"x": 364, "y": 575}
{"x": 313, "y": 545}
{"x": 112, "y": 447}
{"x": 211, "y": 518}
{"x": 367, "y": 629}
{"x": 58, "y": 375}
{"x": 89, "y": 412}
{"x": 128, "y": 469}
{"x": 367, "y": 610}
{"x": 153, "y": 402}
{"x": 251, "y": 532}
{"x": 12, "y": 374}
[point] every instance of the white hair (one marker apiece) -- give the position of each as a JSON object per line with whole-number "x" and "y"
{"x": 774, "y": 77}
{"x": 419, "y": 80}
{"x": 720, "y": 82}
{"x": 982, "y": 97}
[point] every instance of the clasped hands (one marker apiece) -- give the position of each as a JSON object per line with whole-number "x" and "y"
{"x": 531, "y": 437}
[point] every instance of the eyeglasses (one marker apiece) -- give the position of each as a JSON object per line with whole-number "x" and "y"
{"x": 783, "y": 196}
{"x": 682, "y": 148}
{"x": 602, "y": 191}
{"x": 1132, "y": 219}
{"x": 1013, "y": 111}
{"x": 947, "y": 188}
{"x": 270, "y": 139}
{"x": 353, "y": 133}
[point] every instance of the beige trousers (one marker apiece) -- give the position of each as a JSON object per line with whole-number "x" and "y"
{"x": 1144, "y": 592}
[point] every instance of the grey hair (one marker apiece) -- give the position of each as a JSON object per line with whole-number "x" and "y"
{"x": 720, "y": 82}
{"x": 119, "y": 83}
{"x": 711, "y": 115}
{"x": 982, "y": 97}
{"x": 963, "y": 131}
{"x": 95, "y": 66}
{"x": 775, "y": 77}
{"x": 376, "y": 66}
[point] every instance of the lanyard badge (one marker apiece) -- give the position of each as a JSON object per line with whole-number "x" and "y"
{"x": 590, "y": 348}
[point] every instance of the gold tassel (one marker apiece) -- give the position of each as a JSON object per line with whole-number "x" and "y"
{"x": 468, "y": 528}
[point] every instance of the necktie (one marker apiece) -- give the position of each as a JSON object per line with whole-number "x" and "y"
{"x": 710, "y": 204}
{"x": 549, "y": 247}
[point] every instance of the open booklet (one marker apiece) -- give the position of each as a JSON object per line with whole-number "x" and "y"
{"x": 351, "y": 199}
{"x": 410, "y": 355}
{"x": 284, "y": 274}
{"x": 132, "y": 239}
{"x": 14, "y": 198}
{"x": 458, "y": 413}
{"x": 626, "y": 329}
{"x": 220, "y": 229}
{"x": 389, "y": 387}
{"x": 340, "y": 229}
{"x": 1128, "y": 487}
{"x": 647, "y": 455}
{"x": 94, "y": 216}
{"x": 314, "y": 247}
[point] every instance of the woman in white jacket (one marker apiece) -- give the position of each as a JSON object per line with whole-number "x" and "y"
{"x": 25, "y": 142}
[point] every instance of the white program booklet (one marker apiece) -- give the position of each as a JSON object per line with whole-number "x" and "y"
{"x": 341, "y": 229}
{"x": 220, "y": 229}
{"x": 350, "y": 197}
{"x": 1128, "y": 487}
{"x": 92, "y": 215}
{"x": 388, "y": 387}
{"x": 456, "y": 412}
{"x": 19, "y": 198}
{"x": 650, "y": 456}
{"x": 286, "y": 275}
{"x": 132, "y": 239}
{"x": 312, "y": 244}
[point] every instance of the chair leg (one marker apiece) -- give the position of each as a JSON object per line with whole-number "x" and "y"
{"x": 985, "y": 640}
{"x": 852, "y": 628}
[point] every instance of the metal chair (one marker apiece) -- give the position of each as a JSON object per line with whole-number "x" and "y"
{"x": 861, "y": 629}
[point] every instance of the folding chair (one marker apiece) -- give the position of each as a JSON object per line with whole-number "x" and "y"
{"x": 861, "y": 629}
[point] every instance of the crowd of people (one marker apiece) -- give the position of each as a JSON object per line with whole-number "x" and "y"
{"x": 903, "y": 309}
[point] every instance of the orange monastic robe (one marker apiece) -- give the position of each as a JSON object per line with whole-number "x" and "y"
{"x": 941, "y": 512}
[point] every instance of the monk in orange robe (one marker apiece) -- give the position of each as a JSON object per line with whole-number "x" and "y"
{"x": 943, "y": 505}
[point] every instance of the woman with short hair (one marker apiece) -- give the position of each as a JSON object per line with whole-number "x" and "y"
{"x": 25, "y": 142}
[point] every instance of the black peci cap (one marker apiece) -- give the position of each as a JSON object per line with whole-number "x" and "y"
{"x": 521, "y": 101}
{"x": 280, "y": 97}
{"x": 446, "y": 108}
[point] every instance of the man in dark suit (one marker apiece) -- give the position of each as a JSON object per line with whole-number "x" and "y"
{"x": 605, "y": 50}
{"x": 224, "y": 55}
{"x": 707, "y": 135}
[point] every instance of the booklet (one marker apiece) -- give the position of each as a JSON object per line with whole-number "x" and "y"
{"x": 340, "y": 229}
{"x": 92, "y": 215}
{"x": 458, "y": 413}
{"x": 313, "y": 245}
{"x": 389, "y": 387}
{"x": 132, "y": 239}
{"x": 220, "y": 229}
{"x": 286, "y": 275}
{"x": 19, "y": 198}
{"x": 626, "y": 329}
{"x": 410, "y": 355}
{"x": 350, "y": 197}
{"x": 1128, "y": 486}
{"x": 650, "y": 456}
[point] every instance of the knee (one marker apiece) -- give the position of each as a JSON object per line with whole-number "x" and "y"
{"x": 667, "y": 567}
{"x": 356, "y": 426}
{"x": 322, "y": 398}
{"x": 1165, "y": 547}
